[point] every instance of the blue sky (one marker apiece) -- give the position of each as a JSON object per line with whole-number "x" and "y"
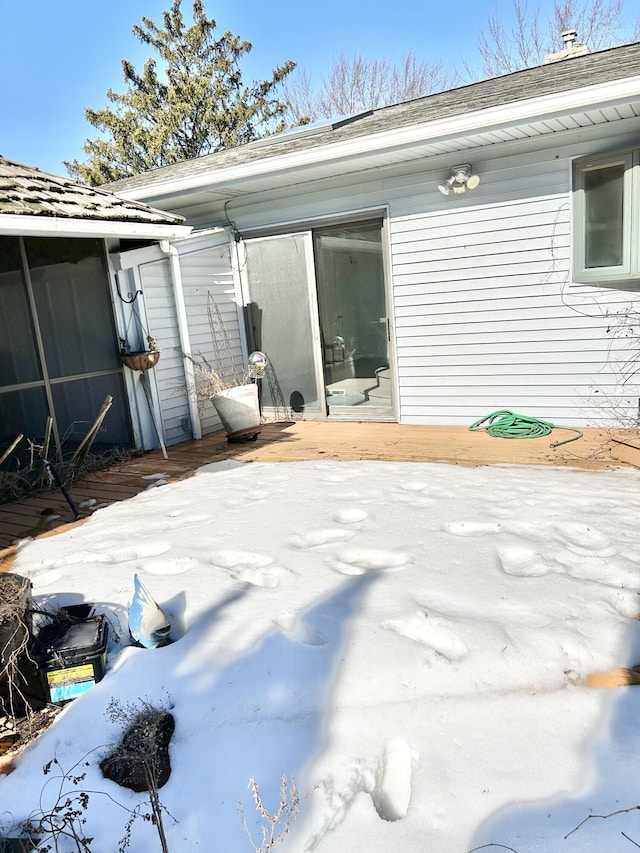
{"x": 56, "y": 58}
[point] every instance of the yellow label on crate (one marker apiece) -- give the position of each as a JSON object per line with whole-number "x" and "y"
{"x": 73, "y": 673}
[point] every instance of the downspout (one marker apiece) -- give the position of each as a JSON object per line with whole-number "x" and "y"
{"x": 183, "y": 332}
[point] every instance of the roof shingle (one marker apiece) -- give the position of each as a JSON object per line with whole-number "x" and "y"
{"x": 26, "y": 191}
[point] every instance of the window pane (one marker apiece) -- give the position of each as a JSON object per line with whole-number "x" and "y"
{"x": 18, "y": 354}
{"x": 604, "y": 198}
{"x": 280, "y": 317}
{"x": 351, "y": 302}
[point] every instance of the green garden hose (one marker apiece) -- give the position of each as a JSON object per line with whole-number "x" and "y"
{"x": 506, "y": 424}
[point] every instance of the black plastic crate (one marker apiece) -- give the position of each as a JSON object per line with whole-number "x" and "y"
{"x": 72, "y": 658}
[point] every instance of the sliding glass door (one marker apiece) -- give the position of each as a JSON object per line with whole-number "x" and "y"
{"x": 282, "y": 322}
{"x": 353, "y": 320}
{"x": 317, "y": 307}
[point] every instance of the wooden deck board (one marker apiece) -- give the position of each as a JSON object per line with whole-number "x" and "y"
{"x": 296, "y": 442}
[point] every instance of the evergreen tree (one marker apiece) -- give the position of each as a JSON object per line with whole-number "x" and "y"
{"x": 194, "y": 104}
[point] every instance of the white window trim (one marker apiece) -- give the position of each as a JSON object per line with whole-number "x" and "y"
{"x": 629, "y": 271}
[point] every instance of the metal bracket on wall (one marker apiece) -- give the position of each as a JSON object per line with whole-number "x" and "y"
{"x": 131, "y": 296}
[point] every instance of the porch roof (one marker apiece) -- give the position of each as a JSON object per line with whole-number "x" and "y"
{"x": 37, "y": 203}
{"x": 581, "y": 91}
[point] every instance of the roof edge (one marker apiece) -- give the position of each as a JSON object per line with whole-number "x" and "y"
{"x": 503, "y": 115}
{"x": 15, "y": 225}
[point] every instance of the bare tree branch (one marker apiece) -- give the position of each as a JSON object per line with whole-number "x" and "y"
{"x": 355, "y": 84}
{"x": 522, "y": 37}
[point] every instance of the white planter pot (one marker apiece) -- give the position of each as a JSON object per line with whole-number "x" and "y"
{"x": 239, "y": 410}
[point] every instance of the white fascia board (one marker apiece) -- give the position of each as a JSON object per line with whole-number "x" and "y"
{"x": 15, "y": 225}
{"x": 504, "y": 115}
{"x": 148, "y": 254}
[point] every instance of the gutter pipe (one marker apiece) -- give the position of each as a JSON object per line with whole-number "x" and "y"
{"x": 183, "y": 332}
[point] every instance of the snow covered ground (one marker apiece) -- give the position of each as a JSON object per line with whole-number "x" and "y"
{"x": 409, "y": 641}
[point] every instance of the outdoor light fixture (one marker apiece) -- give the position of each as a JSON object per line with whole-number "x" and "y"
{"x": 460, "y": 181}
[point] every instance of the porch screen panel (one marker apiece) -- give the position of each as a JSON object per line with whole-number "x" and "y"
{"x": 22, "y": 412}
{"x": 75, "y": 317}
{"x": 19, "y": 361}
{"x": 78, "y": 402}
{"x": 73, "y": 305}
{"x": 279, "y": 314}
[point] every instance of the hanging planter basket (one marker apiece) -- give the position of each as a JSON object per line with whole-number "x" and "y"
{"x": 143, "y": 360}
{"x": 140, "y": 360}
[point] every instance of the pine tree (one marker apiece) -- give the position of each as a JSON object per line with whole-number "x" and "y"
{"x": 193, "y": 104}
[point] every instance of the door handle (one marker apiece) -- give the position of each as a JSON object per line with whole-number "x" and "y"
{"x": 386, "y": 321}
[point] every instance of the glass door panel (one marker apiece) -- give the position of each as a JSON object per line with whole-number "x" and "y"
{"x": 282, "y": 320}
{"x": 353, "y": 321}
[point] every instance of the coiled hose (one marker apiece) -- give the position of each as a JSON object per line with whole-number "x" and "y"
{"x": 506, "y": 424}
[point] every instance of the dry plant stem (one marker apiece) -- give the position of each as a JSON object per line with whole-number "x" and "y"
{"x": 11, "y": 448}
{"x": 602, "y": 817}
{"x": 127, "y": 714}
{"x": 65, "y": 819}
{"x": 488, "y": 846}
{"x": 15, "y": 647}
{"x": 288, "y": 808}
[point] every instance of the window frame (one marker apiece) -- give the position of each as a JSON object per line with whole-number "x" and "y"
{"x": 629, "y": 269}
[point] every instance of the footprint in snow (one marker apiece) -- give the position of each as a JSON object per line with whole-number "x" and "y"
{"x": 586, "y": 540}
{"x": 471, "y": 528}
{"x": 316, "y": 538}
{"x": 596, "y": 569}
{"x": 248, "y": 567}
{"x": 392, "y": 793}
{"x": 522, "y": 561}
{"x": 182, "y": 521}
{"x": 415, "y": 486}
{"x": 299, "y": 631}
{"x": 266, "y": 580}
{"x": 350, "y": 516}
{"x": 171, "y": 566}
{"x": 356, "y": 561}
{"x": 432, "y": 631}
{"x": 138, "y": 551}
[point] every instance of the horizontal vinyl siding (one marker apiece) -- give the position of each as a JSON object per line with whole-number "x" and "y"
{"x": 163, "y": 325}
{"x": 486, "y": 316}
{"x": 208, "y": 270}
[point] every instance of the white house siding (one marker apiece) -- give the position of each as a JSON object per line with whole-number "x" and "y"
{"x": 206, "y": 268}
{"x": 485, "y": 314}
{"x": 487, "y": 318}
{"x": 169, "y": 372}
